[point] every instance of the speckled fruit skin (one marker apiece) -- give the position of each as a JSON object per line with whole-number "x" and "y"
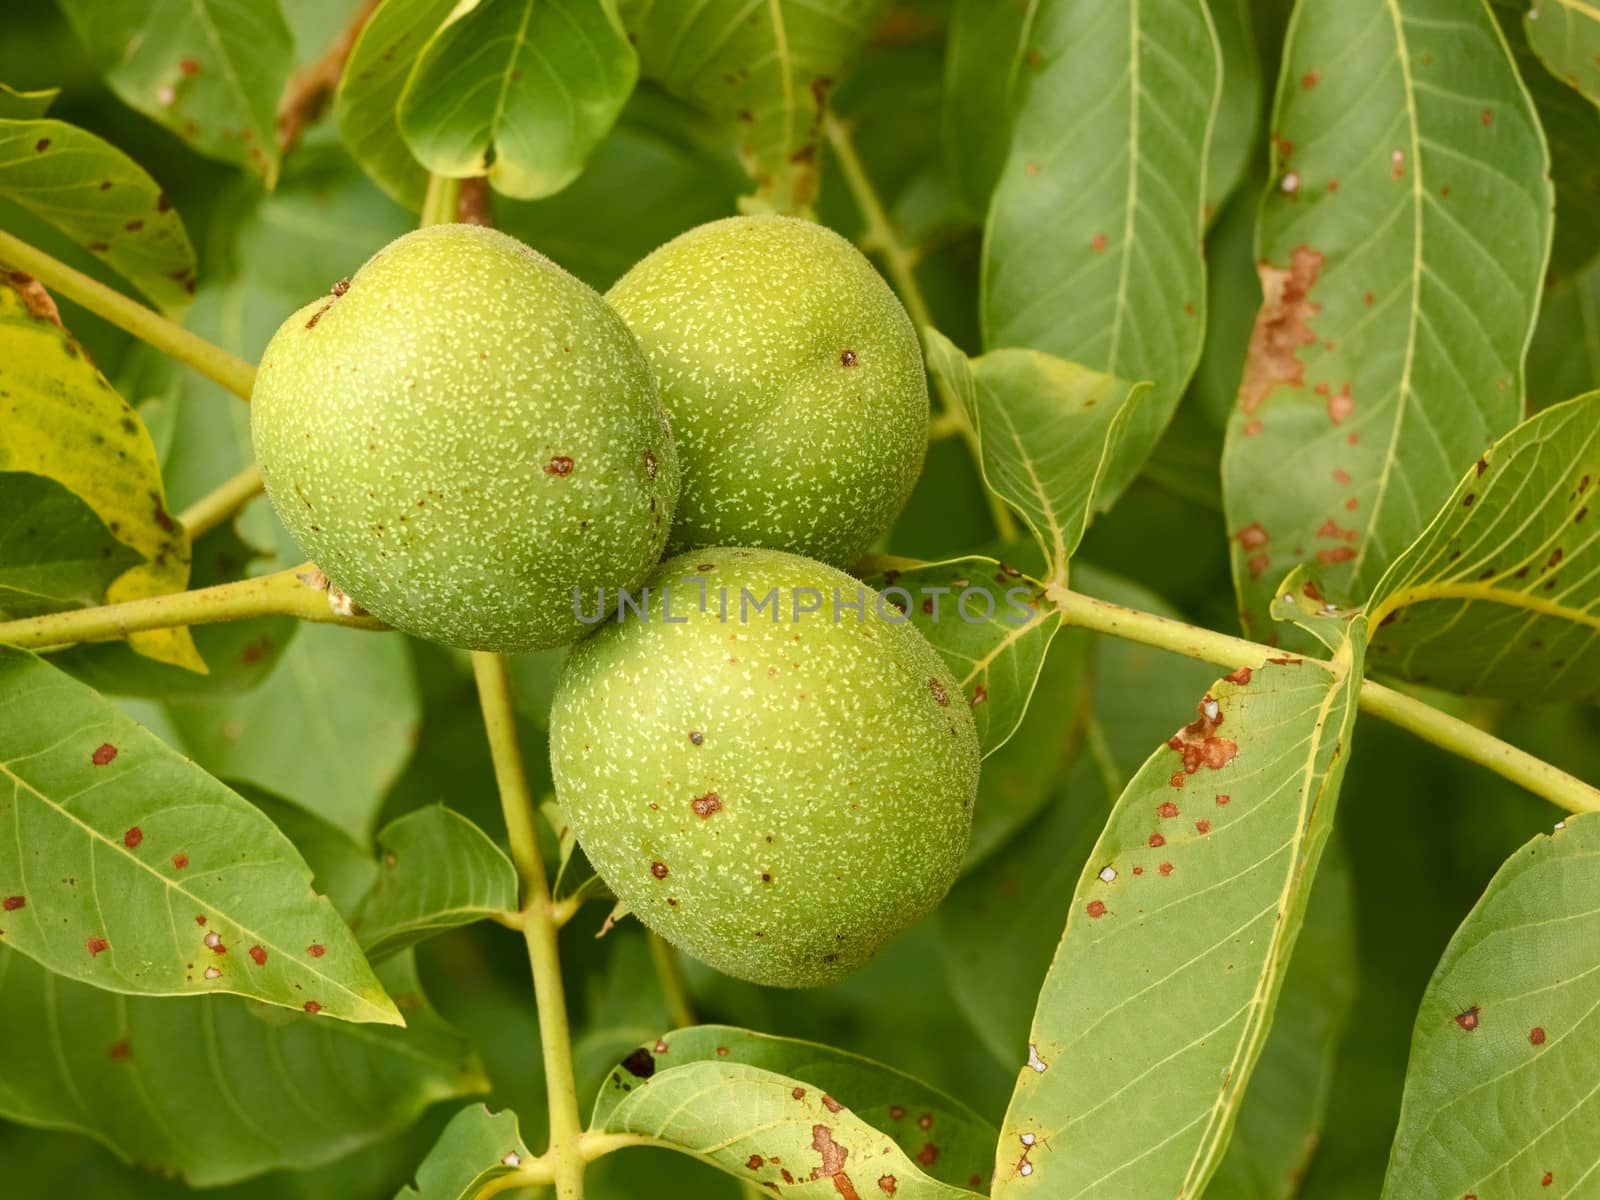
{"x": 795, "y": 383}
{"x": 775, "y": 798}
{"x": 462, "y": 437}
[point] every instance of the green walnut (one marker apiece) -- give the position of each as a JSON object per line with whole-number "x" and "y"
{"x": 773, "y": 779}
{"x": 462, "y": 435}
{"x": 794, "y": 381}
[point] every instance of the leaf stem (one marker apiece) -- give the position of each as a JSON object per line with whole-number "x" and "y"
{"x": 881, "y": 238}
{"x": 441, "y": 200}
{"x": 212, "y": 509}
{"x": 680, "y": 1007}
{"x": 1223, "y": 650}
{"x": 146, "y": 324}
{"x": 301, "y": 592}
{"x": 565, "y": 1154}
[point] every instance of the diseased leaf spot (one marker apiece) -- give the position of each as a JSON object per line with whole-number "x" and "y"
{"x": 133, "y": 837}
{"x": 1340, "y": 405}
{"x": 1167, "y": 809}
{"x": 96, "y": 945}
{"x": 103, "y": 755}
{"x": 1310, "y": 79}
{"x": 1282, "y": 326}
{"x": 1098, "y": 242}
{"x": 1536, "y": 1035}
{"x": 755, "y": 1162}
{"x": 213, "y": 973}
{"x": 258, "y": 956}
{"x": 1096, "y": 909}
{"x": 312, "y": 1007}
{"x": 12, "y": 903}
{"x": 42, "y": 145}
{"x": 1252, "y": 536}
{"x": 641, "y": 1064}
{"x": 316, "y": 950}
{"x": 1202, "y": 826}
{"x": 832, "y": 1105}
{"x": 120, "y": 1051}
{"x": 1468, "y": 1020}
{"x": 189, "y": 67}
{"x": 1157, "y": 841}
{"x": 928, "y": 1155}
{"x": 1240, "y": 677}
{"x": 1547, "y": 1179}
{"x": 887, "y": 1184}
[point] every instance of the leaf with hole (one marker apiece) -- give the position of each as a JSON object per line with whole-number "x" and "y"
{"x": 61, "y": 419}
{"x": 438, "y": 870}
{"x": 1501, "y": 595}
{"x": 133, "y": 870}
{"x": 778, "y": 1112}
{"x": 104, "y": 201}
{"x": 1092, "y": 250}
{"x": 763, "y": 71}
{"x": 1402, "y": 242}
{"x": 477, "y": 1148}
{"x": 212, "y": 71}
{"x": 1047, "y": 430}
{"x": 55, "y": 552}
{"x": 519, "y": 90}
{"x": 1161, "y": 994}
{"x": 260, "y": 1089}
{"x": 1500, "y": 1096}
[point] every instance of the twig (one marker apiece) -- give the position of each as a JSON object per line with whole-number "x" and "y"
{"x": 306, "y": 98}
{"x": 212, "y": 509}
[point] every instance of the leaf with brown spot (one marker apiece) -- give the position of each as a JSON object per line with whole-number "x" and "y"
{"x": 1490, "y": 1113}
{"x": 60, "y": 418}
{"x": 1502, "y": 597}
{"x": 1401, "y": 391}
{"x": 212, "y": 71}
{"x": 64, "y": 184}
{"x": 757, "y": 1094}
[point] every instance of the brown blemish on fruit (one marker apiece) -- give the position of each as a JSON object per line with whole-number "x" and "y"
{"x": 1468, "y": 1020}
{"x": 103, "y": 754}
{"x": 1282, "y": 326}
{"x": 847, "y": 358}
{"x": 133, "y": 837}
{"x": 939, "y": 694}
{"x": 696, "y": 738}
{"x": 658, "y": 869}
{"x": 705, "y": 806}
{"x": 95, "y": 945}
{"x": 559, "y": 465}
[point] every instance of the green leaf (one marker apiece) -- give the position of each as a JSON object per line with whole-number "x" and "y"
{"x": 764, "y": 71}
{"x": 1501, "y": 595}
{"x": 217, "y": 1090}
{"x": 55, "y": 553}
{"x": 60, "y": 418}
{"x": 1566, "y": 34}
{"x": 990, "y": 624}
{"x": 1047, "y": 429}
{"x": 25, "y": 106}
{"x": 1238, "y": 120}
{"x": 346, "y": 701}
{"x": 439, "y": 871}
{"x": 104, "y": 201}
{"x": 134, "y": 871}
{"x": 1092, "y": 250}
{"x": 1402, "y": 242}
{"x": 1162, "y": 990}
{"x": 212, "y": 71}
{"x": 779, "y": 1112}
{"x": 518, "y": 90}
{"x": 475, "y": 1149}
{"x": 368, "y": 100}
{"x": 983, "y": 59}
{"x": 1284, "y": 1110}
{"x": 1500, "y": 1097}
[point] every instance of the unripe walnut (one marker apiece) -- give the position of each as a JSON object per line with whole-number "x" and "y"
{"x": 777, "y": 797}
{"x": 462, "y": 435}
{"x": 794, "y": 380}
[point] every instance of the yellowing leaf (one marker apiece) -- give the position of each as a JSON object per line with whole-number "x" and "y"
{"x": 60, "y": 418}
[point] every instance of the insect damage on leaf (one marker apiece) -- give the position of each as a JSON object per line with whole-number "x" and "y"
{"x": 1282, "y": 326}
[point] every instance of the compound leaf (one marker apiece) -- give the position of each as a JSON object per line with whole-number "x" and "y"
{"x": 764, "y": 71}
{"x": 780, "y": 1113}
{"x": 212, "y": 71}
{"x": 1408, "y": 185}
{"x": 1158, "y": 1002}
{"x": 1501, "y": 595}
{"x": 131, "y": 869}
{"x": 439, "y": 871}
{"x": 1092, "y": 250}
{"x": 475, "y": 1149}
{"x": 60, "y": 418}
{"x": 55, "y": 552}
{"x": 1047, "y": 431}
{"x": 104, "y": 201}
{"x": 1500, "y": 1096}
{"x": 216, "y": 1089}
{"x": 518, "y": 90}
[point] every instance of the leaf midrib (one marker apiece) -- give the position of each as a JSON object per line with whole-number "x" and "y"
{"x": 1483, "y": 592}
